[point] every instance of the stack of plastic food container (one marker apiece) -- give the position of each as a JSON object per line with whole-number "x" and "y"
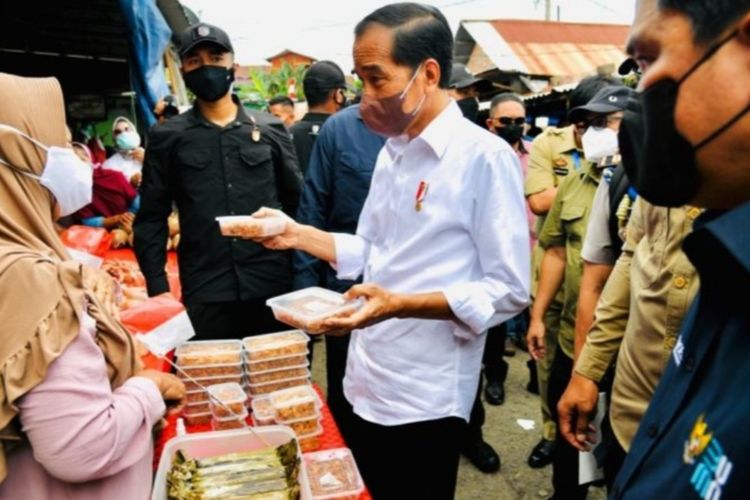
{"x": 296, "y": 407}
{"x": 228, "y": 406}
{"x": 276, "y": 361}
{"x": 308, "y": 309}
{"x": 208, "y": 363}
{"x": 333, "y": 474}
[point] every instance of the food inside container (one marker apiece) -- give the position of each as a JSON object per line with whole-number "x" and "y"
{"x": 277, "y": 363}
{"x": 333, "y": 474}
{"x": 263, "y": 412}
{"x": 227, "y": 400}
{"x": 304, "y": 426}
{"x": 221, "y": 370}
{"x": 247, "y": 226}
{"x": 275, "y": 345}
{"x": 209, "y": 352}
{"x": 196, "y": 467}
{"x": 199, "y": 383}
{"x": 269, "y": 387}
{"x": 310, "y": 442}
{"x": 294, "y": 403}
{"x": 195, "y": 408}
{"x": 199, "y": 396}
{"x": 198, "y": 418}
{"x": 280, "y": 374}
{"x": 225, "y": 424}
{"x": 307, "y": 309}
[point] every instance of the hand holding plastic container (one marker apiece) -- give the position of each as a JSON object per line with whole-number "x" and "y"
{"x": 309, "y": 309}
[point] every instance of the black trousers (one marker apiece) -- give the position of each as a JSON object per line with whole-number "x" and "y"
{"x": 336, "y": 354}
{"x": 496, "y": 370}
{"x": 232, "y": 320}
{"x": 565, "y": 462}
{"x": 614, "y": 454}
{"x": 417, "y": 461}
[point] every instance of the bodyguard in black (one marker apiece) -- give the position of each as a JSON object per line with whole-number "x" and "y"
{"x": 324, "y": 86}
{"x": 216, "y": 160}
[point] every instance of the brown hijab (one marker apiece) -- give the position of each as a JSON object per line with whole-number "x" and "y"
{"x": 42, "y": 291}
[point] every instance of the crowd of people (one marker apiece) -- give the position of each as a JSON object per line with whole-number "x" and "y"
{"x": 620, "y": 241}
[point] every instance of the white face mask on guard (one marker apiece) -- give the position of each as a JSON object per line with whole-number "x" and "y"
{"x": 599, "y": 143}
{"x": 65, "y": 175}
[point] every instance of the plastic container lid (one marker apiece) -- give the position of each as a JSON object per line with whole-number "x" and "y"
{"x": 274, "y": 382}
{"x": 262, "y": 406}
{"x": 209, "y": 352}
{"x": 333, "y": 474}
{"x": 227, "y": 393}
{"x": 285, "y": 401}
{"x": 247, "y": 226}
{"x": 275, "y": 345}
{"x": 305, "y": 308}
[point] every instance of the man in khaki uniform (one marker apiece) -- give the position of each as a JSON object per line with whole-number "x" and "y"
{"x": 553, "y": 154}
{"x": 639, "y": 314}
{"x": 562, "y": 238}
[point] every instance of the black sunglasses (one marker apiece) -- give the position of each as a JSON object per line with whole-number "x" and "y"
{"x": 507, "y": 120}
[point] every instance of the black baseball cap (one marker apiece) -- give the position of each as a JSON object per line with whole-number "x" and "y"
{"x": 203, "y": 33}
{"x": 608, "y": 100}
{"x": 324, "y": 75}
{"x": 461, "y": 78}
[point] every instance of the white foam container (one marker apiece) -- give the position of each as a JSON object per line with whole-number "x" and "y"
{"x": 208, "y": 444}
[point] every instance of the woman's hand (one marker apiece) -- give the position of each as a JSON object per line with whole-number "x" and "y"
{"x": 171, "y": 388}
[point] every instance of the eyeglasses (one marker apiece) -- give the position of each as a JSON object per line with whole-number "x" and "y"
{"x": 507, "y": 120}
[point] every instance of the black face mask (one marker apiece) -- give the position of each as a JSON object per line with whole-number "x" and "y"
{"x": 469, "y": 108}
{"x": 512, "y": 133}
{"x": 660, "y": 162}
{"x": 209, "y": 83}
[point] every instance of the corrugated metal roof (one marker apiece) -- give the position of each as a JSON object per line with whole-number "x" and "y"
{"x": 549, "y": 48}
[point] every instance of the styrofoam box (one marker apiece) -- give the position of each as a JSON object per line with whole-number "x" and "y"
{"x": 209, "y": 444}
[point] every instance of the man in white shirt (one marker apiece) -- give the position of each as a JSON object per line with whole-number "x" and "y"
{"x": 442, "y": 244}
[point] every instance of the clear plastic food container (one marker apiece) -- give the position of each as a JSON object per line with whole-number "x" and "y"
{"x": 310, "y": 442}
{"x": 247, "y": 226}
{"x": 209, "y": 352}
{"x": 307, "y": 309}
{"x": 275, "y": 345}
{"x": 263, "y": 412}
{"x": 232, "y": 397}
{"x": 280, "y": 374}
{"x": 204, "y": 371}
{"x": 191, "y": 385}
{"x": 197, "y": 418}
{"x": 333, "y": 474}
{"x": 228, "y": 423}
{"x": 269, "y": 387}
{"x": 303, "y": 426}
{"x": 199, "y": 396}
{"x": 277, "y": 363}
{"x": 197, "y": 408}
{"x": 295, "y": 403}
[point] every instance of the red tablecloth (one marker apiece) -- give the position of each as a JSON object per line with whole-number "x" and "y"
{"x": 330, "y": 439}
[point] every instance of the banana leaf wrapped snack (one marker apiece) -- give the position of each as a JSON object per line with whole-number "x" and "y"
{"x": 268, "y": 474}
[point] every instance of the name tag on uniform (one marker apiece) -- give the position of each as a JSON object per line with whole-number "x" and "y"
{"x": 560, "y": 171}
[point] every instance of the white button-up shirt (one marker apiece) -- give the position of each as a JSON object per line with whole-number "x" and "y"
{"x": 469, "y": 240}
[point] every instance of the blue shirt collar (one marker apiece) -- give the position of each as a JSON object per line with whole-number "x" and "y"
{"x": 732, "y": 230}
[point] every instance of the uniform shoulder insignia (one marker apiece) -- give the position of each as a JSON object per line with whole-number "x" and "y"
{"x": 560, "y": 162}
{"x": 315, "y": 129}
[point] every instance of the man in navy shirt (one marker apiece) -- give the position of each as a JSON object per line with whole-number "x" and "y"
{"x": 685, "y": 139}
{"x": 337, "y": 181}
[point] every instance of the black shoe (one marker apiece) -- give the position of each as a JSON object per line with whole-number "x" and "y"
{"x": 483, "y": 457}
{"x": 494, "y": 393}
{"x": 533, "y": 385}
{"x": 510, "y": 348}
{"x": 542, "y": 453}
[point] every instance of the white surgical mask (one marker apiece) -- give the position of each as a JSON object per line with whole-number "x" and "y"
{"x": 67, "y": 177}
{"x": 599, "y": 143}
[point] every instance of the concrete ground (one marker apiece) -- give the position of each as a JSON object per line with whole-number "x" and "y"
{"x": 516, "y": 480}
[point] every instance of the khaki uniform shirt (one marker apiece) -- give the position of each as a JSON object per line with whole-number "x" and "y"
{"x": 566, "y": 226}
{"x": 640, "y": 312}
{"x": 552, "y": 156}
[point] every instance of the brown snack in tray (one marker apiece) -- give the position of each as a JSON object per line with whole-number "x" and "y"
{"x": 344, "y": 470}
{"x": 227, "y": 400}
{"x": 199, "y": 419}
{"x": 257, "y": 390}
{"x": 243, "y": 229}
{"x": 199, "y": 396}
{"x": 227, "y": 424}
{"x": 211, "y": 371}
{"x": 214, "y": 353}
{"x": 275, "y": 345}
{"x": 294, "y": 404}
{"x": 303, "y": 427}
{"x": 273, "y": 364}
{"x": 311, "y": 443}
{"x": 272, "y": 376}
{"x": 205, "y": 382}
{"x": 197, "y": 408}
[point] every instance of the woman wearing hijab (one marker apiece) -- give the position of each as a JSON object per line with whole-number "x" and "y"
{"x": 115, "y": 201}
{"x": 76, "y": 408}
{"x": 128, "y": 159}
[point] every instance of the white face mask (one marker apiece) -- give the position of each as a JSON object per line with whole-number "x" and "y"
{"x": 68, "y": 178}
{"x": 599, "y": 143}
